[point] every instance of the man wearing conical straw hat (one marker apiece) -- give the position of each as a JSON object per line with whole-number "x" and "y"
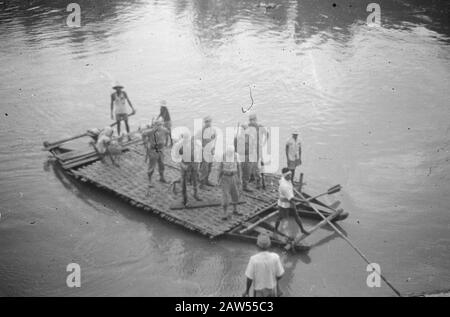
{"x": 118, "y": 106}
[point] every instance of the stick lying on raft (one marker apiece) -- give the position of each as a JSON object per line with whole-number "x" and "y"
{"x": 49, "y": 146}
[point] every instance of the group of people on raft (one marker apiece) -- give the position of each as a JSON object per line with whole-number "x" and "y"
{"x": 234, "y": 172}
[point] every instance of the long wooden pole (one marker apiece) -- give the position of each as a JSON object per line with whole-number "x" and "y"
{"x": 258, "y": 222}
{"x": 319, "y": 225}
{"x": 349, "y": 242}
{"x": 49, "y": 146}
{"x": 301, "y": 183}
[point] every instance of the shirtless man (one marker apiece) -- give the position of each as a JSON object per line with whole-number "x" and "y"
{"x": 118, "y": 106}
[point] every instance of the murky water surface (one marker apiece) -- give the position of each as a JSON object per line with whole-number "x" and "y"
{"x": 372, "y": 105}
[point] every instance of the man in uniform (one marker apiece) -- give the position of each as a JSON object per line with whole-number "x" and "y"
{"x": 208, "y": 139}
{"x": 191, "y": 152}
{"x": 229, "y": 179}
{"x": 258, "y": 135}
{"x": 293, "y": 152}
{"x": 154, "y": 142}
{"x": 242, "y": 145}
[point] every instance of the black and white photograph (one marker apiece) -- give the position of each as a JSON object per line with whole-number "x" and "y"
{"x": 229, "y": 149}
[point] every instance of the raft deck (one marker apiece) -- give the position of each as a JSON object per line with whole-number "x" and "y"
{"x": 130, "y": 182}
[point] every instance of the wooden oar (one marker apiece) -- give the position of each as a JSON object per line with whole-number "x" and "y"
{"x": 344, "y": 237}
{"x": 335, "y": 205}
{"x": 48, "y": 146}
{"x": 333, "y": 190}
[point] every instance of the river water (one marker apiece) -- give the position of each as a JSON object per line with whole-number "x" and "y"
{"x": 372, "y": 105}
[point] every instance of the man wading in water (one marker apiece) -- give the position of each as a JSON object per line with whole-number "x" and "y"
{"x": 264, "y": 270}
{"x": 118, "y": 106}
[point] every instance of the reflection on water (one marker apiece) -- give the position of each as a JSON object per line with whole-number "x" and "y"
{"x": 214, "y": 19}
{"x": 372, "y": 105}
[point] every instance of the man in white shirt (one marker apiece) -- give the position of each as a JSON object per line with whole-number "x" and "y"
{"x": 264, "y": 270}
{"x": 287, "y": 200}
{"x": 104, "y": 139}
{"x": 293, "y": 152}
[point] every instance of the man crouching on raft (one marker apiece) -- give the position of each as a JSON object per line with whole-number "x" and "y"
{"x": 287, "y": 200}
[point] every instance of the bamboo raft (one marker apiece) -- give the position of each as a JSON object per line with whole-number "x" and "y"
{"x": 129, "y": 181}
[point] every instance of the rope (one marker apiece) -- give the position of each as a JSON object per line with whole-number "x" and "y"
{"x": 251, "y": 97}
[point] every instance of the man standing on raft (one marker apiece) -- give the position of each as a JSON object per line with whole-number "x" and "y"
{"x": 294, "y": 152}
{"x": 118, "y": 105}
{"x": 154, "y": 140}
{"x": 230, "y": 179}
{"x": 287, "y": 200}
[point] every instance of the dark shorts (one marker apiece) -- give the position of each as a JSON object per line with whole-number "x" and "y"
{"x": 286, "y": 212}
{"x": 230, "y": 189}
{"x": 121, "y": 116}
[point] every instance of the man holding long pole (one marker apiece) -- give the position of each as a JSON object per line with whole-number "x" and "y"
{"x": 286, "y": 202}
